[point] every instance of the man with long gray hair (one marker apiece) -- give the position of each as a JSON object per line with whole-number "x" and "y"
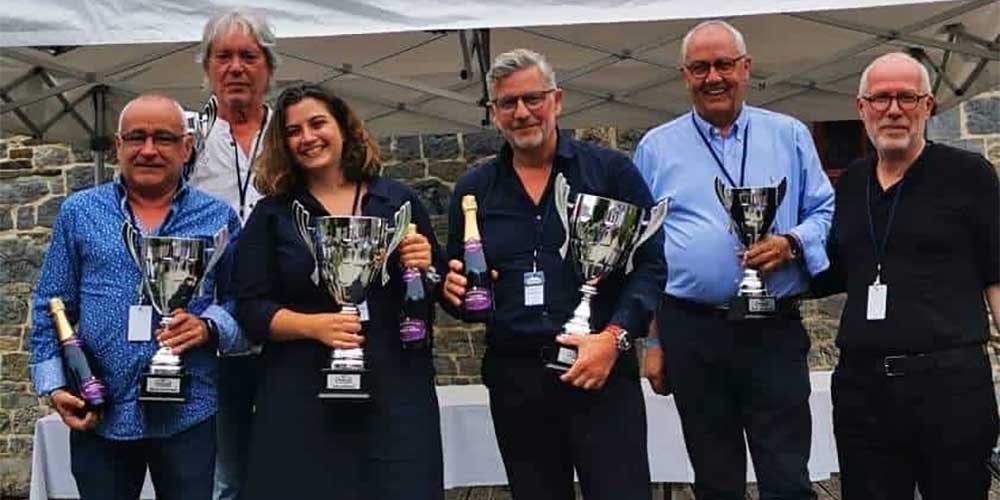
{"x": 916, "y": 245}
{"x": 590, "y": 418}
{"x": 238, "y": 56}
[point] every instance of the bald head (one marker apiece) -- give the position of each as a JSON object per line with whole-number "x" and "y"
{"x": 899, "y": 61}
{"x": 153, "y": 98}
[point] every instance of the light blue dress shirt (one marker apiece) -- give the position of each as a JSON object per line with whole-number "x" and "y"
{"x": 700, "y": 249}
{"x": 89, "y": 268}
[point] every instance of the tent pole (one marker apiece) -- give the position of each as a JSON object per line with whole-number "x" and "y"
{"x": 99, "y": 141}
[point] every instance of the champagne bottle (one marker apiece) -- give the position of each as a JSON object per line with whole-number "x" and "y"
{"x": 413, "y": 327}
{"x": 81, "y": 379}
{"x": 478, "y": 304}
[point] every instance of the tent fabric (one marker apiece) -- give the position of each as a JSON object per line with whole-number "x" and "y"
{"x": 401, "y": 63}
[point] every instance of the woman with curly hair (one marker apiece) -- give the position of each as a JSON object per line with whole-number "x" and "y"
{"x": 318, "y": 153}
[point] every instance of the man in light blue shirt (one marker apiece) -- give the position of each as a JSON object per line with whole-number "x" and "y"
{"x": 731, "y": 377}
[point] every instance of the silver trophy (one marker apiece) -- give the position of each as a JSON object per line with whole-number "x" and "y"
{"x": 752, "y": 211}
{"x": 172, "y": 271}
{"x": 349, "y": 252}
{"x": 602, "y": 234}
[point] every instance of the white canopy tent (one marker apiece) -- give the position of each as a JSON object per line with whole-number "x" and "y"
{"x": 416, "y": 66}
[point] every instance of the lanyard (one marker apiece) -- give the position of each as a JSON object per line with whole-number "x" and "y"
{"x": 880, "y": 246}
{"x": 242, "y": 184}
{"x": 743, "y": 162}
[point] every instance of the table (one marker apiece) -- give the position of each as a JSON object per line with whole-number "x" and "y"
{"x": 471, "y": 456}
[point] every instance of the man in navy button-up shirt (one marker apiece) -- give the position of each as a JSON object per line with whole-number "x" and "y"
{"x": 749, "y": 376}
{"x": 592, "y": 417}
{"x": 89, "y": 268}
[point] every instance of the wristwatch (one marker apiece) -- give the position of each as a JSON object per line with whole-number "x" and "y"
{"x": 622, "y": 340}
{"x": 794, "y": 247}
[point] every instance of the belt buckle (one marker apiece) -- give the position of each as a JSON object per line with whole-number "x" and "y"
{"x": 887, "y": 362}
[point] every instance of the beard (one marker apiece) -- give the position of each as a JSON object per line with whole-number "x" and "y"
{"x": 522, "y": 140}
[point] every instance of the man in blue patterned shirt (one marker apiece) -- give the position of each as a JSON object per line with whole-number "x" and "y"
{"x": 89, "y": 268}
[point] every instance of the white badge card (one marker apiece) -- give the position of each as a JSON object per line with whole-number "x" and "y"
{"x": 363, "y": 311}
{"x": 534, "y": 288}
{"x": 877, "y": 294}
{"x": 140, "y": 323}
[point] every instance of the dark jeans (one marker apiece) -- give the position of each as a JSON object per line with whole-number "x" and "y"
{"x": 546, "y": 428}
{"x": 181, "y": 465}
{"x": 736, "y": 378}
{"x": 236, "y": 388}
{"x": 933, "y": 430}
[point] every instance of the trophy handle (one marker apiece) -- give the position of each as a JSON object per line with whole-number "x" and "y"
{"x": 401, "y": 220}
{"x": 219, "y": 242}
{"x": 725, "y": 196}
{"x": 129, "y": 237}
{"x": 657, "y": 214}
{"x": 562, "y": 189}
{"x": 782, "y": 187}
{"x": 302, "y": 217}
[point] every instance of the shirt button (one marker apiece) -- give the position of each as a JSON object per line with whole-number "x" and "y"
{"x": 538, "y": 217}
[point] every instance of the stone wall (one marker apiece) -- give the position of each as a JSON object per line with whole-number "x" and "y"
{"x": 36, "y": 177}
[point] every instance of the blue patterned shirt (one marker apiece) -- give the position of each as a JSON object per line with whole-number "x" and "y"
{"x": 89, "y": 268}
{"x": 700, "y": 249}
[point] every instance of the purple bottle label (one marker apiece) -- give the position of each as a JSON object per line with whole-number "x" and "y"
{"x": 410, "y": 274}
{"x": 93, "y": 392}
{"x": 473, "y": 246}
{"x": 477, "y": 300}
{"x": 412, "y": 330}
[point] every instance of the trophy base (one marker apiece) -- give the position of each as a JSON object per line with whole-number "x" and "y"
{"x": 345, "y": 385}
{"x": 163, "y": 388}
{"x": 559, "y": 357}
{"x": 756, "y": 307}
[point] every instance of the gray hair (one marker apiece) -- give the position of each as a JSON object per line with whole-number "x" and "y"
{"x": 741, "y": 46}
{"x": 925, "y": 77}
{"x": 247, "y": 22}
{"x": 515, "y": 60}
{"x": 181, "y": 117}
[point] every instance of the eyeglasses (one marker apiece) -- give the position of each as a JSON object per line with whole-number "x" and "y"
{"x": 882, "y": 102}
{"x": 161, "y": 140}
{"x": 531, "y": 100}
{"x": 723, "y": 66}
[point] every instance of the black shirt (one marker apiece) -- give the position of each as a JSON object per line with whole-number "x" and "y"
{"x": 942, "y": 251}
{"x": 513, "y": 228}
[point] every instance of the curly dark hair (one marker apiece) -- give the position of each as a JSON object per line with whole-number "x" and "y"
{"x": 277, "y": 173}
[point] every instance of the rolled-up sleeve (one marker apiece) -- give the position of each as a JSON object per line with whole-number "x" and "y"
{"x": 816, "y": 205}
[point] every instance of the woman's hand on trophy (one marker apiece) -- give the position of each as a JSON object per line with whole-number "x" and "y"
{"x": 768, "y": 254}
{"x": 596, "y": 355}
{"x": 73, "y": 412}
{"x": 185, "y": 331}
{"x": 339, "y": 331}
{"x": 415, "y": 251}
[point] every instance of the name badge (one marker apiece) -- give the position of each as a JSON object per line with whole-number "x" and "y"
{"x": 534, "y": 288}
{"x": 363, "y": 311}
{"x": 140, "y": 323}
{"x": 877, "y": 294}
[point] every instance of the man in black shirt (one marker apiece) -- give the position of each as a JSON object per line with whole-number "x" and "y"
{"x": 916, "y": 244}
{"x": 592, "y": 417}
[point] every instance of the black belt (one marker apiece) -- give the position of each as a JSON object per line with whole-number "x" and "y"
{"x": 786, "y": 307}
{"x": 909, "y": 364}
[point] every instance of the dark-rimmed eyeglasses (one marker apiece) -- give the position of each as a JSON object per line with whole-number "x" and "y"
{"x": 161, "y": 140}
{"x": 882, "y": 102}
{"x": 531, "y": 100}
{"x": 723, "y": 66}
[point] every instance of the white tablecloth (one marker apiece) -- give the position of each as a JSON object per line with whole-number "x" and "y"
{"x": 471, "y": 457}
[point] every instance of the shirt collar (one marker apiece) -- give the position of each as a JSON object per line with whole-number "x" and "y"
{"x": 712, "y": 132}
{"x": 122, "y": 190}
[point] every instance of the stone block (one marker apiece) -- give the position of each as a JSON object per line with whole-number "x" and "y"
{"x": 10, "y": 343}
{"x": 23, "y": 419}
{"x": 48, "y": 211}
{"x": 83, "y": 154}
{"x": 13, "y": 401}
{"x": 447, "y": 170}
{"x": 982, "y": 116}
{"x": 20, "y": 446}
{"x": 57, "y": 185}
{"x": 80, "y": 177}
{"x": 14, "y": 366}
{"x": 13, "y": 310}
{"x": 973, "y": 145}
{"x": 408, "y": 170}
{"x": 629, "y": 138}
{"x": 15, "y": 164}
{"x": 20, "y": 153}
{"x": 23, "y": 190}
{"x": 598, "y": 135}
{"x": 15, "y": 476}
{"x": 434, "y": 195}
{"x": 385, "y": 149}
{"x": 25, "y": 218}
{"x": 6, "y": 220}
{"x": 3, "y": 148}
{"x": 469, "y": 366}
{"x": 407, "y": 148}
{"x": 4, "y": 423}
{"x": 993, "y": 151}
{"x": 52, "y": 156}
{"x": 444, "y": 365}
{"x": 482, "y": 144}
{"x": 945, "y": 125}
{"x": 440, "y": 147}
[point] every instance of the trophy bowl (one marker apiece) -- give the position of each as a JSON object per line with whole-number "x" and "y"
{"x": 751, "y": 212}
{"x": 350, "y": 251}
